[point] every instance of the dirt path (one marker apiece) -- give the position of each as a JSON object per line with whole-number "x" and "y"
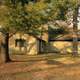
{"x": 59, "y": 69}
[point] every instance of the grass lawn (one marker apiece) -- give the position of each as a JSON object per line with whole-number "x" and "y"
{"x": 41, "y": 67}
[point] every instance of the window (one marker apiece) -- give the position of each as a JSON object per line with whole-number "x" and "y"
{"x": 20, "y": 42}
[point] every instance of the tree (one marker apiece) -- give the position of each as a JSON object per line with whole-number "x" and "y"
{"x": 7, "y": 28}
{"x": 65, "y": 6}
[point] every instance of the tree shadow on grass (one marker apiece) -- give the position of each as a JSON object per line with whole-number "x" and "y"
{"x": 63, "y": 65}
{"x": 42, "y": 62}
{"x": 59, "y": 64}
{"x": 54, "y": 62}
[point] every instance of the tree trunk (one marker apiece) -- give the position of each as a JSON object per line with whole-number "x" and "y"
{"x": 75, "y": 29}
{"x": 75, "y": 47}
{"x": 5, "y": 49}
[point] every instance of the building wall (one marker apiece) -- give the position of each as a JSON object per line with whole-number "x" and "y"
{"x": 30, "y": 46}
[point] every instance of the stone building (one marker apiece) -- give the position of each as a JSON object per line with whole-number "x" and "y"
{"x": 27, "y": 44}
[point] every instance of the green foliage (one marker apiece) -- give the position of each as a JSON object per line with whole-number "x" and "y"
{"x": 63, "y": 6}
{"x": 27, "y": 15}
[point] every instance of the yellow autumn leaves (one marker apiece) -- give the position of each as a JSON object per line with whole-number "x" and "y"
{"x": 36, "y": 6}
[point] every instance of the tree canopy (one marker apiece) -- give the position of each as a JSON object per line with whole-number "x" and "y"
{"x": 29, "y": 15}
